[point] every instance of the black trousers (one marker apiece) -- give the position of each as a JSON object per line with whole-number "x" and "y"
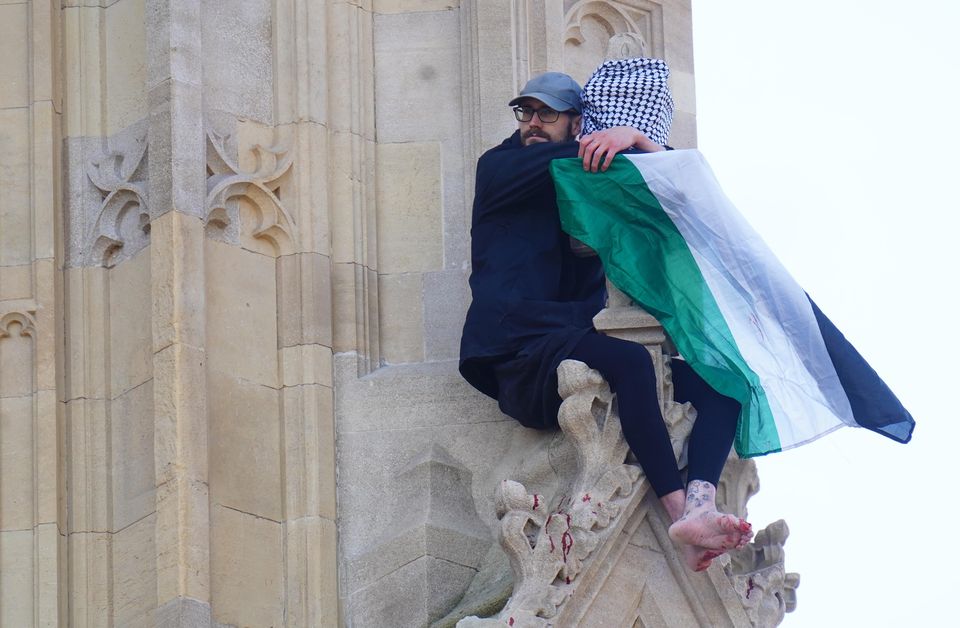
{"x": 628, "y": 368}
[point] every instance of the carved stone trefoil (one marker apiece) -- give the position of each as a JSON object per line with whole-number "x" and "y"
{"x": 18, "y": 318}
{"x": 18, "y": 338}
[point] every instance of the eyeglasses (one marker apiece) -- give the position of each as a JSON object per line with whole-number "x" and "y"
{"x": 525, "y": 114}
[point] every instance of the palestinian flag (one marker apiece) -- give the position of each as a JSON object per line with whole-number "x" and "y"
{"x": 672, "y": 241}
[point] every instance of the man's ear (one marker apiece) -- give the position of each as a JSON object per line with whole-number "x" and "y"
{"x": 575, "y": 125}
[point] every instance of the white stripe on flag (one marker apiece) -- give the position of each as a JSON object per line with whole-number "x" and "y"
{"x": 767, "y": 312}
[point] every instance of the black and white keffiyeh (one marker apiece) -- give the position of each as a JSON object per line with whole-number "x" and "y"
{"x": 629, "y": 92}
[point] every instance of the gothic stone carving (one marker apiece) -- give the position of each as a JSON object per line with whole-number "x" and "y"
{"x": 243, "y": 206}
{"x": 122, "y": 227}
{"x": 17, "y": 318}
{"x": 759, "y": 577}
{"x": 17, "y": 341}
{"x": 547, "y": 546}
{"x": 738, "y": 484}
{"x": 610, "y": 29}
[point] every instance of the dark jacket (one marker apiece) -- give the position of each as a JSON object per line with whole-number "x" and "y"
{"x": 533, "y": 299}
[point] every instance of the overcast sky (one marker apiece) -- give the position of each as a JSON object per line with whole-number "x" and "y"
{"x": 833, "y": 126}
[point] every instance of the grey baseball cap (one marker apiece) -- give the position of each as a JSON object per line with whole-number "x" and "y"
{"x": 554, "y": 89}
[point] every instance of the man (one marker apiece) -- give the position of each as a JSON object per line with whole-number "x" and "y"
{"x": 534, "y": 298}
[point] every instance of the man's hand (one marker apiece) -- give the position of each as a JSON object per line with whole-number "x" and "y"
{"x": 608, "y": 142}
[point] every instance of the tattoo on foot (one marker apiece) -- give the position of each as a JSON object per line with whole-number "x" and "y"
{"x": 700, "y": 493}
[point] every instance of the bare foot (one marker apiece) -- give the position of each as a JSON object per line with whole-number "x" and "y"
{"x": 712, "y": 530}
{"x": 698, "y": 558}
{"x": 701, "y": 531}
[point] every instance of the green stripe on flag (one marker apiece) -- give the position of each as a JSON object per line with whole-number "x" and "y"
{"x": 645, "y": 256}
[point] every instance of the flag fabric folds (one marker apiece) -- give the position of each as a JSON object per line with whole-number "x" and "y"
{"x": 670, "y": 239}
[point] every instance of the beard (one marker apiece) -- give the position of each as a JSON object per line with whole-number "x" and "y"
{"x": 535, "y": 136}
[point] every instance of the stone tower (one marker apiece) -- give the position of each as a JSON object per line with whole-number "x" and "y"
{"x": 234, "y": 245}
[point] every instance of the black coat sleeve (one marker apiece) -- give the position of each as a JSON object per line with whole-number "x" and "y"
{"x": 511, "y": 175}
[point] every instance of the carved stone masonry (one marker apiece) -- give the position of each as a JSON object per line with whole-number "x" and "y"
{"x": 759, "y": 577}
{"x": 549, "y": 546}
{"x": 18, "y": 325}
{"x": 243, "y": 206}
{"x": 546, "y": 546}
{"x": 122, "y": 227}
{"x": 18, "y": 317}
{"x": 610, "y": 29}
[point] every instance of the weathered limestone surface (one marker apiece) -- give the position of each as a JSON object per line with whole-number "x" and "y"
{"x": 234, "y": 251}
{"x": 32, "y": 461}
{"x": 165, "y": 325}
{"x": 598, "y": 553}
{"x": 422, "y": 502}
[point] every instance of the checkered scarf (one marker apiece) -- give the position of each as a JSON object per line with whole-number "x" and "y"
{"x": 629, "y": 92}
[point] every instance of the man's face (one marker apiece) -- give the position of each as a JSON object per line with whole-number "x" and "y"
{"x": 564, "y": 128}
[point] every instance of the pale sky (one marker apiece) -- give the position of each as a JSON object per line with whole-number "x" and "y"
{"x": 833, "y": 126}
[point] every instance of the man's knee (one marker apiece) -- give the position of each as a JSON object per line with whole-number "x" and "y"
{"x": 619, "y": 361}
